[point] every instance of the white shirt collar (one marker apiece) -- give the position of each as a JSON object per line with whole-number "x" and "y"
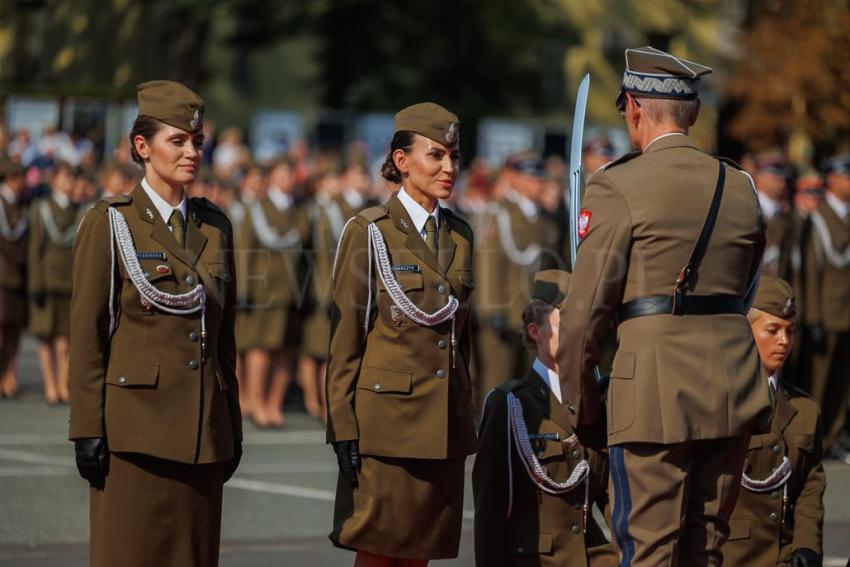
{"x": 773, "y": 379}
{"x": 417, "y": 213}
{"x": 7, "y": 194}
{"x": 549, "y": 376}
{"x": 668, "y": 134}
{"x": 528, "y": 207}
{"x": 61, "y": 199}
{"x": 769, "y": 207}
{"x": 162, "y": 206}
{"x": 840, "y": 207}
{"x": 279, "y": 199}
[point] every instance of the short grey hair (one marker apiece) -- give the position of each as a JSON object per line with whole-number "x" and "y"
{"x": 682, "y": 113}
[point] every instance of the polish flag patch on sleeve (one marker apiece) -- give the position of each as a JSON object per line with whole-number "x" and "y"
{"x": 583, "y": 222}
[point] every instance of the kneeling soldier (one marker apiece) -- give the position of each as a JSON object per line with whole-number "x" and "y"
{"x": 534, "y": 483}
{"x": 778, "y": 519}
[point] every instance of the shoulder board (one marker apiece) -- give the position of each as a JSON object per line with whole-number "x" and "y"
{"x": 372, "y": 214}
{"x": 107, "y": 202}
{"x": 511, "y": 385}
{"x": 622, "y": 159}
{"x": 730, "y": 162}
{"x": 204, "y": 202}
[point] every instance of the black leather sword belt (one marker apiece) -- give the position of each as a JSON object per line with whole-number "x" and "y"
{"x": 689, "y": 305}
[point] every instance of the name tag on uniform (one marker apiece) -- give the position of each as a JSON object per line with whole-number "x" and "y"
{"x": 553, "y": 436}
{"x": 150, "y": 255}
{"x": 406, "y": 268}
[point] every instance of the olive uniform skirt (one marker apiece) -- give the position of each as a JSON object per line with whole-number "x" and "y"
{"x": 402, "y": 508}
{"x": 13, "y": 307}
{"x": 269, "y": 328}
{"x": 157, "y": 512}
{"x": 317, "y": 332}
{"x": 53, "y": 318}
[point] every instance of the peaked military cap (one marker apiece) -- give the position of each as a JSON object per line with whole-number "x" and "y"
{"x": 773, "y": 162}
{"x": 430, "y": 120}
{"x": 551, "y": 286}
{"x": 528, "y": 164}
{"x": 775, "y": 296}
{"x": 172, "y": 103}
{"x": 653, "y": 73}
{"x": 839, "y": 165}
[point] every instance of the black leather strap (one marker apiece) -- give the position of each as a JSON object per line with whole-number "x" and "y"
{"x": 690, "y": 305}
{"x": 698, "y": 252}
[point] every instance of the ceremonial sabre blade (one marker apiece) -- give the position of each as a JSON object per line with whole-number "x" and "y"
{"x": 576, "y": 177}
{"x": 575, "y": 164}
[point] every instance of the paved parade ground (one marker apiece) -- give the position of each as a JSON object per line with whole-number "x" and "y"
{"x": 277, "y": 508}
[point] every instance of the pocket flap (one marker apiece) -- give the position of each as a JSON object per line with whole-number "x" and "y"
{"x": 127, "y": 374}
{"x": 383, "y": 381}
{"x": 156, "y": 270}
{"x": 739, "y": 528}
{"x": 409, "y": 280}
{"x": 624, "y": 365}
{"x": 756, "y": 442}
{"x": 219, "y": 270}
{"x": 804, "y": 442}
{"x": 465, "y": 278}
{"x": 530, "y": 546}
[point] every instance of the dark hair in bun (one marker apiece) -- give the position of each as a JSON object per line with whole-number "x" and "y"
{"x": 402, "y": 140}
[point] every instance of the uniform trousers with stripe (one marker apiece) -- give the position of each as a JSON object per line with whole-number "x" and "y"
{"x": 671, "y": 503}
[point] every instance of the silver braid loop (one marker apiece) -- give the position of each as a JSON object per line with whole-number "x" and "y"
{"x": 776, "y": 479}
{"x": 193, "y": 301}
{"x": 267, "y": 235}
{"x": 519, "y": 257}
{"x": 9, "y": 233}
{"x": 60, "y": 237}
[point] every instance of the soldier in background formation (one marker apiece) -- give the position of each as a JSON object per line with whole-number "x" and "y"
{"x": 13, "y": 277}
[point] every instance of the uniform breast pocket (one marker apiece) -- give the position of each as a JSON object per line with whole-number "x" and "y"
{"x": 412, "y": 284}
{"x": 132, "y": 375}
{"x": 621, "y": 393}
{"x": 160, "y": 274}
{"x": 220, "y": 272}
{"x": 466, "y": 283}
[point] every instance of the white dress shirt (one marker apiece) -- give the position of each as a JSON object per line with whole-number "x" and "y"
{"x": 162, "y": 206}
{"x": 841, "y": 208}
{"x": 769, "y": 207}
{"x": 417, "y": 213}
{"x": 549, "y": 376}
{"x": 61, "y": 199}
{"x": 528, "y": 207}
{"x": 7, "y": 194}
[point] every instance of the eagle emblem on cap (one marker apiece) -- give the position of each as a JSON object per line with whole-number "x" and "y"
{"x": 789, "y": 307}
{"x": 196, "y": 119}
{"x": 452, "y": 133}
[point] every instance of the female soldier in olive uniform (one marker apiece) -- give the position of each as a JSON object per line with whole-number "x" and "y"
{"x": 154, "y": 398}
{"x": 399, "y": 401}
{"x": 533, "y": 481}
{"x": 778, "y": 519}
{"x": 53, "y": 225}
{"x": 13, "y": 282}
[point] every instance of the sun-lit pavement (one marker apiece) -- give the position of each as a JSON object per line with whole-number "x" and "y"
{"x": 277, "y": 508}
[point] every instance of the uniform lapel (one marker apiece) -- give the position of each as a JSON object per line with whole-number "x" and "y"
{"x": 549, "y": 404}
{"x": 195, "y": 239}
{"x": 159, "y": 231}
{"x": 446, "y": 242}
{"x": 784, "y": 412}
{"x": 414, "y": 241}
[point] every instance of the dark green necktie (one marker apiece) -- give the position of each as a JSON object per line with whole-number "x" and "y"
{"x": 431, "y": 235}
{"x": 178, "y": 228}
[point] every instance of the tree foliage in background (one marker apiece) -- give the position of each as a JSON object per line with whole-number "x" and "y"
{"x": 792, "y": 77}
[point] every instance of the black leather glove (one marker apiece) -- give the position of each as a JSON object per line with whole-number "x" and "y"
{"x": 348, "y": 458}
{"x": 232, "y": 464}
{"x": 817, "y": 338}
{"x": 805, "y": 557}
{"x": 39, "y": 298}
{"x": 92, "y": 456}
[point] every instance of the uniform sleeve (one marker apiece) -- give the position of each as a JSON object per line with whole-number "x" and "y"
{"x": 227, "y": 340}
{"x": 596, "y": 289}
{"x": 347, "y": 343}
{"x": 490, "y": 484}
{"x": 35, "y": 267}
{"x": 808, "y": 510}
{"x": 89, "y": 339}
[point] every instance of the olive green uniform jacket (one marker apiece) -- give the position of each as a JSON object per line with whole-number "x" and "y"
{"x": 761, "y": 534}
{"x": 395, "y": 385}
{"x": 779, "y": 234}
{"x": 674, "y": 378}
{"x": 543, "y": 530}
{"x": 151, "y": 388}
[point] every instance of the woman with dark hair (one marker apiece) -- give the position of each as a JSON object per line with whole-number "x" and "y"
{"x": 154, "y": 399}
{"x": 399, "y": 403}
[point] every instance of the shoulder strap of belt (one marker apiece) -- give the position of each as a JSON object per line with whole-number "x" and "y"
{"x": 698, "y": 252}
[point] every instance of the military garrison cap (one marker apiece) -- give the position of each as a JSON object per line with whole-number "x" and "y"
{"x": 839, "y": 165}
{"x": 172, "y": 103}
{"x": 551, "y": 286}
{"x": 776, "y": 297}
{"x": 429, "y": 120}
{"x": 653, "y": 73}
